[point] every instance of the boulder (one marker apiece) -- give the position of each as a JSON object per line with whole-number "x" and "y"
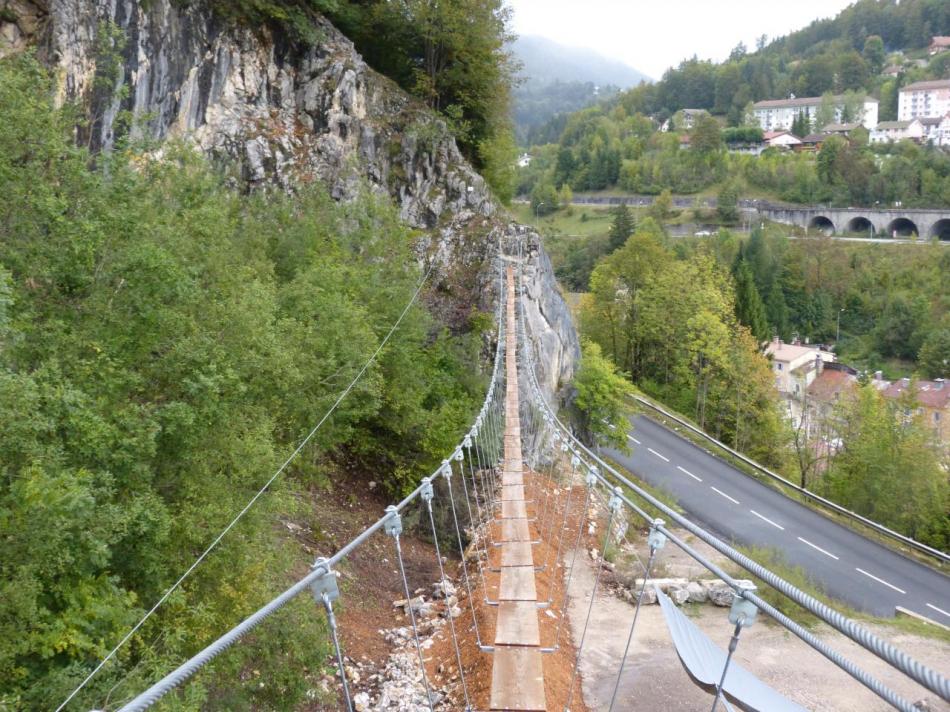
{"x": 720, "y": 594}
{"x": 443, "y": 590}
{"x": 696, "y": 592}
{"x": 679, "y": 595}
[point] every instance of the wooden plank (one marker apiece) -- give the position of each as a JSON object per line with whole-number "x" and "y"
{"x": 517, "y": 553}
{"x": 517, "y": 623}
{"x": 512, "y": 492}
{"x": 512, "y": 478}
{"x": 517, "y": 584}
{"x": 517, "y": 680}
{"x": 513, "y": 509}
{"x": 515, "y": 530}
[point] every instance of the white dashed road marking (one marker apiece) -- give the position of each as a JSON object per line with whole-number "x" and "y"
{"x": 687, "y": 472}
{"x": 818, "y": 548}
{"x": 731, "y": 499}
{"x": 766, "y": 519}
{"x": 939, "y": 610}
{"x": 634, "y": 440}
{"x": 879, "y": 580}
{"x": 662, "y": 457}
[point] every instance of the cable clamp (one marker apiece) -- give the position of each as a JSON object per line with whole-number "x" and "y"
{"x": 393, "y": 524}
{"x": 591, "y": 478}
{"x": 467, "y": 442}
{"x": 743, "y": 611}
{"x": 458, "y": 455}
{"x": 446, "y": 470}
{"x": 615, "y": 500}
{"x": 325, "y": 587}
{"x": 656, "y": 539}
{"x": 427, "y": 492}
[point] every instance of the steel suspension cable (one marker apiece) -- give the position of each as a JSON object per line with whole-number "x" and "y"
{"x": 412, "y": 618}
{"x": 468, "y": 585}
{"x": 428, "y": 495}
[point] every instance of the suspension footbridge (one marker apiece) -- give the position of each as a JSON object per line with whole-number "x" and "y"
{"x": 517, "y": 493}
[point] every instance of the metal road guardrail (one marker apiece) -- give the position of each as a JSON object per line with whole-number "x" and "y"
{"x": 942, "y": 556}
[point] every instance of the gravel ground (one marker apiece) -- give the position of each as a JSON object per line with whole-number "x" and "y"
{"x": 654, "y": 679}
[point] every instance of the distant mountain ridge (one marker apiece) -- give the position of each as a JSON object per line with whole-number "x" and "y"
{"x": 557, "y": 80}
{"x": 545, "y": 60}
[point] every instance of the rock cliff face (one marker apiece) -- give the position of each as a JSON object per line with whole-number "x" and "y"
{"x": 276, "y": 112}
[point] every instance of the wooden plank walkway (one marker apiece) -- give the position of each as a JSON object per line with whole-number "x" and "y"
{"x": 517, "y": 672}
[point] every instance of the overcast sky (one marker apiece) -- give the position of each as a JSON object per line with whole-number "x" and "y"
{"x": 654, "y": 35}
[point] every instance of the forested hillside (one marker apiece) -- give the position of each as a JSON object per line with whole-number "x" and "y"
{"x": 619, "y": 145}
{"x": 165, "y": 342}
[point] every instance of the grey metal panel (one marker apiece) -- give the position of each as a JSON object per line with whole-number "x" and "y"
{"x": 704, "y": 661}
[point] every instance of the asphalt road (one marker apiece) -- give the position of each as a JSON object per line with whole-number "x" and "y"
{"x": 737, "y": 508}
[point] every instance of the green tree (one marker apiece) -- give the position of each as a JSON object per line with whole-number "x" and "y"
{"x": 888, "y": 468}
{"x": 544, "y": 199}
{"x": 827, "y": 112}
{"x": 622, "y": 226}
{"x": 707, "y": 135}
{"x": 749, "y": 308}
{"x": 600, "y": 399}
{"x": 934, "y": 356}
{"x": 777, "y": 310}
{"x": 662, "y": 206}
{"x": 874, "y": 53}
{"x": 727, "y": 203}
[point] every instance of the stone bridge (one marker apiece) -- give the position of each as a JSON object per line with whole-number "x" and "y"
{"x": 895, "y": 222}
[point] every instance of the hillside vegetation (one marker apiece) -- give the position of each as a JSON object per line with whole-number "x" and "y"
{"x": 684, "y": 320}
{"x": 165, "y": 343}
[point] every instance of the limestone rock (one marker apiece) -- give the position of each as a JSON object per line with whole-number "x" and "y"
{"x": 696, "y": 593}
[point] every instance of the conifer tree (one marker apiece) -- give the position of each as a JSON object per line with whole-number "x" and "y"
{"x": 621, "y": 228}
{"x": 749, "y": 308}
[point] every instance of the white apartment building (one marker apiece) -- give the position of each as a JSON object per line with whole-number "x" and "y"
{"x": 923, "y": 100}
{"x": 890, "y": 131}
{"x": 778, "y": 114}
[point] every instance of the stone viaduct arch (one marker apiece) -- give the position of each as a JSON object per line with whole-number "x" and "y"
{"x": 926, "y": 224}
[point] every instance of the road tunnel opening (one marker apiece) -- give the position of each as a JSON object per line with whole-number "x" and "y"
{"x": 861, "y": 226}
{"x": 941, "y": 229}
{"x": 902, "y": 227}
{"x": 821, "y": 224}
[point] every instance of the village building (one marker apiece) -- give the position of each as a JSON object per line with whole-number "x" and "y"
{"x": 795, "y": 367}
{"x": 924, "y": 100}
{"x": 933, "y": 403}
{"x": 688, "y": 118}
{"x": 891, "y": 131}
{"x": 939, "y": 44}
{"x": 784, "y": 140}
{"x": 780, "y": 114}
